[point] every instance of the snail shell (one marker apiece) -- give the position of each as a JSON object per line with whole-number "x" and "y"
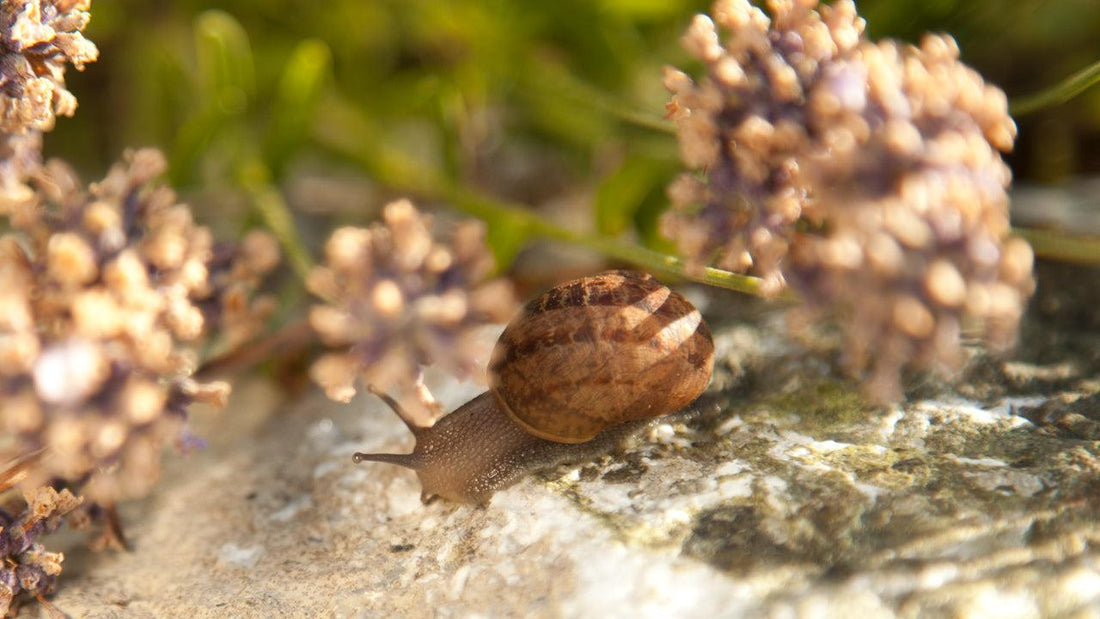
{"x": 584, "y": 366}
{"x": 600, "y": 351}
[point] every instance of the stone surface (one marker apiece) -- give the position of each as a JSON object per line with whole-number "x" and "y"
{"x": 783, "y": 494}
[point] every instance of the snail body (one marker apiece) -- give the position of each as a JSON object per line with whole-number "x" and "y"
{"x": 583, "y": 366}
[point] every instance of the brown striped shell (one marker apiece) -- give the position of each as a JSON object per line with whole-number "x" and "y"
{"x": 600, "y": 351}
{"x": 604, "y": 352}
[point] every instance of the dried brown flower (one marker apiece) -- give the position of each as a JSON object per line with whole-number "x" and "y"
{"x": 913, "y": 193}
{"x": 398, "y": 301}
{"x": 25, "y": 566}
{"x": 37, "y": 39}
{"x": 103, "y": 289}
{"x": 746, "y": 125}
{"x": 889, "y": 151}
{"x": 232, "y": 312}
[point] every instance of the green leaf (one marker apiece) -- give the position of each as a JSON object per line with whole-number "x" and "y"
{"x": 254, "y": 177}
{"x": 192, "y": 141}
{"x": 296, "y": 102}
{"x": 505, "y": 237}
{"x": 226, "y": 82}
{"x": 451, "y": 113}
{"x": 648, "y": 10}
{"x": 647, "y": 222}
{"x": 227, "y": 76}
{"x": 622, "y": 194}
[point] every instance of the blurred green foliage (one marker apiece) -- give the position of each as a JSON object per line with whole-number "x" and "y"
{"x": 528, "y": 102}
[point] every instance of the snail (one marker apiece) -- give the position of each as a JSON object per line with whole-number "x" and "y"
{"x": 584, "y": 365}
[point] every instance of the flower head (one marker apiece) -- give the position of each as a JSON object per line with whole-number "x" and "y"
{"x": 397, "y": 300}
{"x": 745, "y": 125}
{"x": 103, "y": 290}
{"x": 25, "y": 566}
{"x": 38, "y": 38}
{"x": 865, "y": 175}
{"x": 913, "y": 193}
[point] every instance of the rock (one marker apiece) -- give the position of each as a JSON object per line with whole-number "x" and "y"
{"x": 782, "y": 494}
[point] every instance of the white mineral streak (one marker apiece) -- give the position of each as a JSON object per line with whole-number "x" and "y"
{"x": 292, "y": 509}
{"x": 241, "y": 556}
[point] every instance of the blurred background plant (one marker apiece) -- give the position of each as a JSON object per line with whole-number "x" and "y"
{"x": 538, "y": 104}
{"x": 544, "y": 120}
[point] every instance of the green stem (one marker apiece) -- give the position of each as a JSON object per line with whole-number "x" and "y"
{"x": 345, "y": 133}
{"x": 493, "y": 210}
{"x": 255, "y": 178}
{"x": 551, "y": 81}
{"x": 1064, "y": 248}
{"x": 637, "y": 118}
{"x": 393, "y": 169}
{"x": 1059, "y": 93}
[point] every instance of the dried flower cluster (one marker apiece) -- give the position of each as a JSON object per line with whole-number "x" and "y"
{"x": 888, "y": 151}
{"x": 397, "y": 301}
{"x": 25, "y": 566}
{"x": 102, "y": 289}
{"x": 37, "y": 39}
{"x": 746, "y": 126}
{"x": 231, "y": 310}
